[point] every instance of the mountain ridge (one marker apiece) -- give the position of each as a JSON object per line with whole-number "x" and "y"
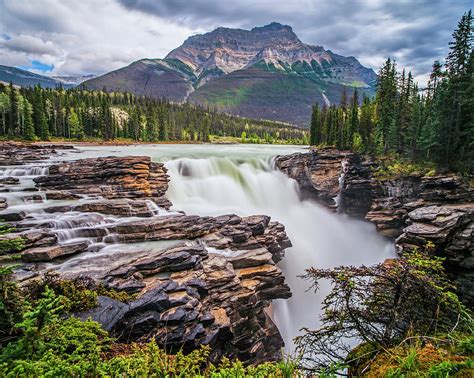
{"x": 26, "y": 78}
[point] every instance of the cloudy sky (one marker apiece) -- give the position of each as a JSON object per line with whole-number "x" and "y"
{"x": 70, "y": 37}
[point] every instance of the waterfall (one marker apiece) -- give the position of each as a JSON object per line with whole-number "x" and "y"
{"x": 321, "y": 239}
{"x": 342, "y": 177}
{"x": 216, "y": 180}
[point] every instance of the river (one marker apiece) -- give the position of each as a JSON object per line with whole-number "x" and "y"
{"x": 241, "y": 179}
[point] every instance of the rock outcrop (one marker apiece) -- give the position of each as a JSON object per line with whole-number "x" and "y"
{"x": 412, "y": 210}
{"x": 450, "y": 229}
{"x": 110, "y": 177}
{"x": 317, "y": 174}
{"x": 195, "y": 280}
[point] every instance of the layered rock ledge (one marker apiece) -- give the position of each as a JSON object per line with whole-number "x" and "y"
{"x": 110, "y": 177}
{"x": 196, "y": 280}
{"x": 411, "y": 210}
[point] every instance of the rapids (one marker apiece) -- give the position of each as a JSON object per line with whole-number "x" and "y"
{"x": 240, "y": 179}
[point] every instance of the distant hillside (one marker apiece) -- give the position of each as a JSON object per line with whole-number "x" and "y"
{"x": 73, "y": 80}
{"x": 266, "y": 72}
{"x": 148, "y": 77}
{"x": 28, "y": 79}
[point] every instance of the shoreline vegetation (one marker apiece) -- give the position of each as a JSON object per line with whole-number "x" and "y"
{"x": 129, "y": 142}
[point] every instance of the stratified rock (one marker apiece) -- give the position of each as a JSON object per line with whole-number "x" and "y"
{"x": 53, "y": 252}
{"x": 18, "y": 153}
{"x": 317, "y": 173}
{"x": 415, "y": 208}
{"x": 450, "y": 228}
{"x": 8, "y": 181}
{"x": 109, "y": 177}
{"x": 212, "y": 293}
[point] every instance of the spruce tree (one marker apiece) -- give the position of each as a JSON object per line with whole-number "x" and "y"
{"x": 14, "y": 113}
{"x": 28, "y": 128}
{"x": 386, "y": 101}
{"x": 354, "y": 119}
{"x": 314, "y": 132}
{"x": 453, "y": 115}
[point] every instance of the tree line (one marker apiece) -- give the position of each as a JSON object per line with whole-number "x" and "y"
{"x": 436, "y": 123}
{"x": 37, "y": 113}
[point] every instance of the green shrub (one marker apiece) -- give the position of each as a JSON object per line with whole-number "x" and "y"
{"x": 391, "y": 167}
{"x": 11, "y": 305}
{"x": 10, "y": 245}
{"x": 80, "y": 293}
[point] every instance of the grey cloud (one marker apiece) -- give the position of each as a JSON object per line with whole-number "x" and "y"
{"x": 90, "y": 36}
{"x": 30, "y": 45}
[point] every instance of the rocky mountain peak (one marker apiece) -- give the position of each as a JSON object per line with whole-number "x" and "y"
{"x": 274, "y": 26}
{"x": 228, "y": 49}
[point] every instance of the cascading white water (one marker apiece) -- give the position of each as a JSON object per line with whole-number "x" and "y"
{"x": 320, "y": 238}
{"x": 23, "y": 171}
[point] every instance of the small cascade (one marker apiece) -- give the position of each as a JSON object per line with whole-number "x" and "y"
{"x": 338, "y": 198}
{"x": 21, "y": 171}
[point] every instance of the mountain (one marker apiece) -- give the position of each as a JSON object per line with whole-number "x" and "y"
{"x": 73, "y": 80}
{"x": 28, "y": 79}
{"x": 266, "y": 72}
{"x": 148, "y": 77}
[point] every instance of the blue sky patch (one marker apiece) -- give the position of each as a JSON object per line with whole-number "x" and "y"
{"x": 37, "y": 65}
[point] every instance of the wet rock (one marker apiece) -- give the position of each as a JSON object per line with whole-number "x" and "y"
{"x": 61, "y": 195}
{"x": 119, "y": 207}
{"x": 53, "y": 252}
{"x": 9, "y": 180}
{"x": 108, "y": 312}
{"x": 17, "y": 153}
{"x": 12, "y": 217}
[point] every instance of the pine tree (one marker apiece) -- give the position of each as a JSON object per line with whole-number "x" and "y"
{"x": 28, "y": 128}
{"x": 353, "y": 119}
{"x": 314, "y": 132}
